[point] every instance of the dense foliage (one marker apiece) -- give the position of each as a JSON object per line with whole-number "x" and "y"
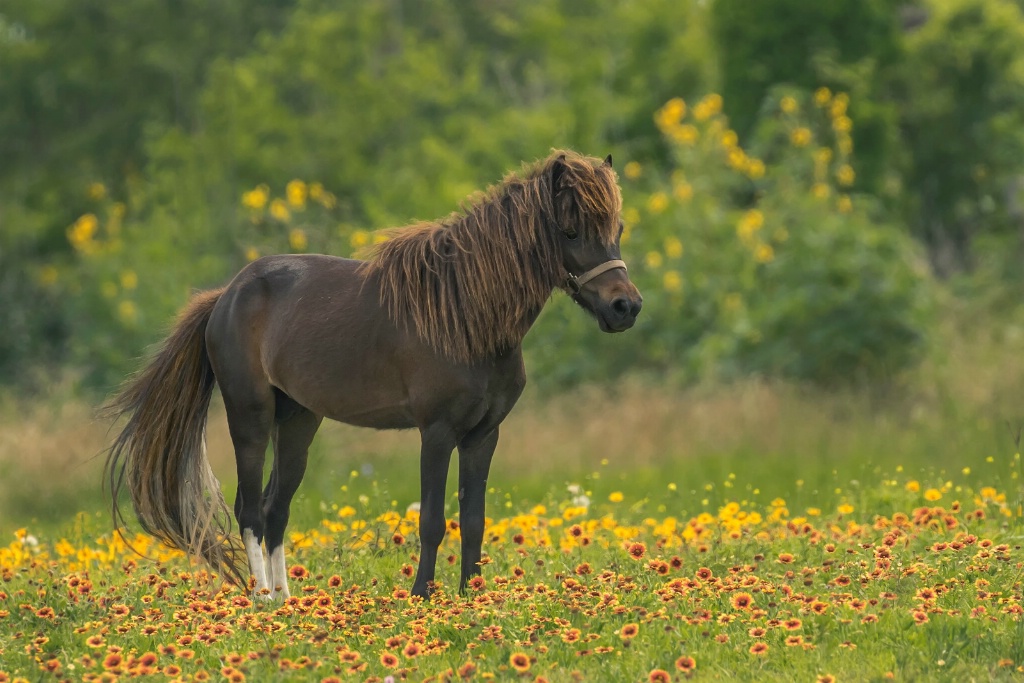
{"x": 153, "y": 151}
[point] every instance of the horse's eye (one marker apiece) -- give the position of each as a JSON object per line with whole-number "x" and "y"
{"x": 571, "y": 234}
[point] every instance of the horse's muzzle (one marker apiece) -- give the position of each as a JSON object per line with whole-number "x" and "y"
{"x": 620, "y": 314}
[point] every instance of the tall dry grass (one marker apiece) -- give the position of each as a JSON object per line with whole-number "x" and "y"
{"x": 964, "y": 402}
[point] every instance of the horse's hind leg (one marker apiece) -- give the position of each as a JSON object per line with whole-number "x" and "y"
{"x": 293, "y": 434}
{"x": 250, "y": 413}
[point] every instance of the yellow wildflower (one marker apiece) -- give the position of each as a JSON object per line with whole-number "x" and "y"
{"x": 256, "y": 198}
{"x": 83, "y": 230}
{"x": 653, "y": 260}
{"x": 297, "y": 239}
{"x": 632, "y": 170}
{"x": 251, "y": 254}
{"x": 820, "y": 190}
{"x": 932, "y": 494}
{"x": 279, "y": 210}
{"x": 616, "y": 497}
{"x": 129, "y": 280}
{"x": 755, "y": 168}
{"x": 764, "y": 253}
{"x": 846, "y": 175}
{"x": 673, "y": 247}
{"x": 800, "y": 137}
{"x": 127, "y": 311}
{"x": 683, "y": 191}
{"x": 685, "y": 134}
{"x": 97, "y": 191}
{"x": 913, "y": 486}
{"x": 657, "y": 202}
{"x": 672, "y": 281}
{"x": 360, "y": 238}
{"x": 749, "y": 223}
{"x": 296, "y": 191}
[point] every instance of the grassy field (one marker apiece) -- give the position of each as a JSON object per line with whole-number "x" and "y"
{"x": 755, "y": 531}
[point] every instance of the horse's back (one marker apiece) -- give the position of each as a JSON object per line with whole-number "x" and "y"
{"x": 313, "y": 327}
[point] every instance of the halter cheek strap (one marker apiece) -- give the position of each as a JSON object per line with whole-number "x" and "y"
{"x": 574, "y": 284}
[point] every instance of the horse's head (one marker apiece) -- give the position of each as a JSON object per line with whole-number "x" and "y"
{"x": 587, "y": 207}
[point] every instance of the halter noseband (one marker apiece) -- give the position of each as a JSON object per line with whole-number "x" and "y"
{"x": 574, "y": 284}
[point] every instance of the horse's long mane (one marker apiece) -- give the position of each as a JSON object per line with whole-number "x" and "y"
{"x": 472, "y": 283}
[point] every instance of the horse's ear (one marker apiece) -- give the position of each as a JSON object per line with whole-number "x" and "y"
{"x": 558, "y": 167}
{"x": 608, "y": 161}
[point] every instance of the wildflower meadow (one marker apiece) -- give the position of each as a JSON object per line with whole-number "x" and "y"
{"x": 911, "y": 582}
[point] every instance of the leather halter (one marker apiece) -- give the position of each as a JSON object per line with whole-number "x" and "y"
{"x": 574, "y": 284}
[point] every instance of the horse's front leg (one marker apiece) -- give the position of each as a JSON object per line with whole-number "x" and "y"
{"x": 435, "y": 454}
{"x": 474, "y": 464}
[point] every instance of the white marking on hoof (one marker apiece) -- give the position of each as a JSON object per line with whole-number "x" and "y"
{"x": 256, "y": 566}
{"x": 279, "y": 574}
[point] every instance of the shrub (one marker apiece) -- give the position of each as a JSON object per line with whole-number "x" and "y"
{"x": 755, "y": 264}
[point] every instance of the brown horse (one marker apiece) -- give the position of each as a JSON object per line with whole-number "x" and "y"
{"x": 426, "y": 334}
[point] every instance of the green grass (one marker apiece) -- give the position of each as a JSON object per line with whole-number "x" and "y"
{"x": 857, "y": 579}
{"x": 833, "y": 458}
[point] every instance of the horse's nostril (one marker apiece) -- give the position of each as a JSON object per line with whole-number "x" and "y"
{"x": 621, "y": 306}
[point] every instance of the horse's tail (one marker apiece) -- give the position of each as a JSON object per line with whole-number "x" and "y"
{"x": 160, "y": 455}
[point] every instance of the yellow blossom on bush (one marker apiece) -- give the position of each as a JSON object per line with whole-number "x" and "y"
{"x": 296, "y": 191}
{"x": 822, "y": 96}
{"x": 846, "y": 175}
{"x": 800, "y": 137}
{"x": 672, "y": 281}
{"x": 83, "y": 230}
{"x": 359, "y": 238}
{"x": 97, "y": 191}
{"x": 653, "y": 260}
{"x": 251, "y": 254}
{"x": 632, "y": 170}
{"x": 682, "y": 191}
{"x": 788, "y": 104}
{"x": 673, "y": 247}
{"x": 297, "y": 239}
{"x": 710, "y": 105}
{"x": 729, "y": 139}
{"x": 685, "y": 134}
{"x": 129, "y": 280}
{"x": 749, "y": 223}
{"x": 844, "y": 204}
{"x": 127, "y": 311}
{"x": 755, "y": 169}
{"x": 764, "y": 253}
{"x": 657, "y": 202}
{"x": 820, "y": 191}
{"x": 670, "y": 114}
{"x": 842, "y": 124}
{"x": 256, "y": 198}
{"x": 279, "y": 210}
